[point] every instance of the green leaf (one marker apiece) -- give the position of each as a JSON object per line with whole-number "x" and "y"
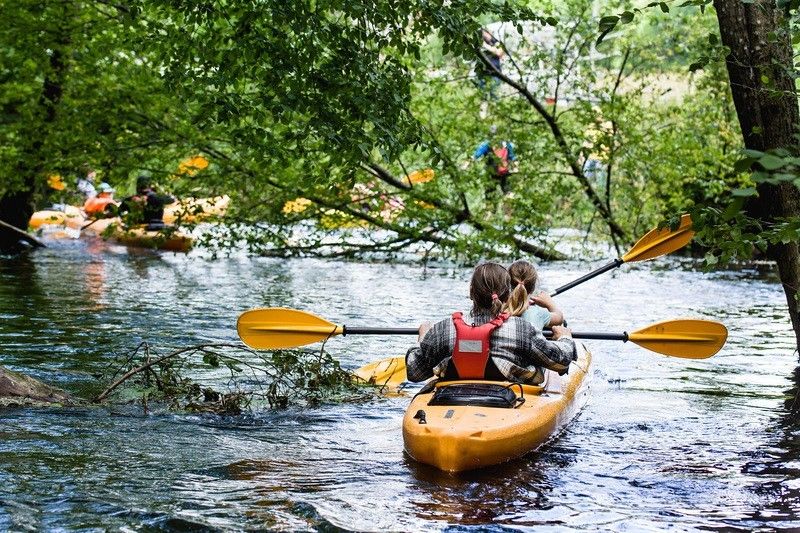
{"x": 602, "y": 36}
{"x": 745, "y": 192}
{"x": 664, "y": 7}
{"x": 699, "y": 64}
{"x": 626, "y": 17}
{"x": 713, "y": 39}
{"x": 771, "y": 162}
{"x": 743, "y": 165}
{"x": 608, "y": 23}
{"x": 733, "y": 209}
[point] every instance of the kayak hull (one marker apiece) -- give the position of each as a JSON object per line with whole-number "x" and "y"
{"x": 456, "y": 438}
{"x": 71, "y": 218}
{"x": 172, "y": 241}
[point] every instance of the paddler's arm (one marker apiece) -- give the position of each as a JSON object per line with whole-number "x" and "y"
{"x": 554, "y": 354}
{"x": 545, "y": 300}
{"x": 433, "y": 348}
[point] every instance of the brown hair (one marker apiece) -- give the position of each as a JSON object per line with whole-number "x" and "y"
{"x": 523, "y": 279}
{"x": 488, "y": 280}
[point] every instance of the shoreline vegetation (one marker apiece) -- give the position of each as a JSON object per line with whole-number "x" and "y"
{"x": 345, "y": 120}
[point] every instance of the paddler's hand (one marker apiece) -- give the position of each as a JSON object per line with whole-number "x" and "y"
{"x": 423, "y": 329}
{"x": 561, "y": 332}
{"x": 543, "y": 300}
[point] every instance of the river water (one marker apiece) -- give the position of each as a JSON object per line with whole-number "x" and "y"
{"x": 663, "y": 443}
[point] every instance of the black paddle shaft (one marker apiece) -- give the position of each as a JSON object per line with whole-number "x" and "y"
{"x": 596, "y": 336}
{"x": 413, "y": 331}
{"x": 379, "y": 331}
{"x": 605, "y": 268}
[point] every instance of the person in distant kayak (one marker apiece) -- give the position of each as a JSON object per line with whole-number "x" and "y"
{"x": 85, "y": 185}
{"x": 103, "y": 203}
{"x": 495, "y": 346}
{"x": 147, "y": 205}
{"x": 538, "y": 309}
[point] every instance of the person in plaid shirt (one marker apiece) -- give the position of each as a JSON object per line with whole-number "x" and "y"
{"x": 517, "y": 350}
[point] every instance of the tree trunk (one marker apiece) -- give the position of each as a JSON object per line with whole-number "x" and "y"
{"x": 15, "y": 209}
{"x": 760, "y": 68}
{"x": 16, "y": 206}
{"x": 21, "y": 390}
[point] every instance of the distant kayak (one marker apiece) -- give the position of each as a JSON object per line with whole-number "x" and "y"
{"x": 169, "y": 238}
{"x": 188, "y": 210}
{"x": 70, "y": 217}
{"x": 196, "y": 209}
{"x": 465, "y": 425}
{"x": 72, "y": 223}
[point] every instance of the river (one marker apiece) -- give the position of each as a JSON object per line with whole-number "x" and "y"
{"x": 663, "y": 443}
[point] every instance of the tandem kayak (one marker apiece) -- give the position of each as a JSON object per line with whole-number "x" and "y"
{"x": 73, "y": 226}
{"x": 188, "y": 210}
{"x": 465, "y": 425}
{"x": 72, "y": 223}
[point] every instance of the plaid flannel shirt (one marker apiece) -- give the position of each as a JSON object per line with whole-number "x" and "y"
{"x": 517, "y": 348}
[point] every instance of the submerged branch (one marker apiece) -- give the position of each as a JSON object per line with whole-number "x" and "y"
{"x": 150, "y": 363}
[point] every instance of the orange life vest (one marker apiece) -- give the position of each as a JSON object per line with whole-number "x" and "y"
{"x": 471, "y": 352}
{"x": 501, "y": 165}
{"x": 97, "y": 204}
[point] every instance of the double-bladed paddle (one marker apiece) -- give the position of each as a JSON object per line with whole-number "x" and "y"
{"x": 279, "y": 327}
{"x": 276, "y": 328}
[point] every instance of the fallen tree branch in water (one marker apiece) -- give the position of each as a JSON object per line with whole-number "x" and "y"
{"x": 103, "y": 395}
{"x": 280, "y": 378}
{"x": 24, "y": 235}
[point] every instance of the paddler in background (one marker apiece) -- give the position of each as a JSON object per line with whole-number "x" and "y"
{"x": 496, "y": 346}
{"x": 103, "y": 203}
{"x": 147, "y": 205}
{"x": 85, "y": 185}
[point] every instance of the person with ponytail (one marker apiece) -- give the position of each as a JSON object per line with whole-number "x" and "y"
{"x": 495, "y": 346}
{"x": 544, "y": 313}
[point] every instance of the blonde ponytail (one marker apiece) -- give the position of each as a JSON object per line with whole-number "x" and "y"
{"x": 517, "y": 303}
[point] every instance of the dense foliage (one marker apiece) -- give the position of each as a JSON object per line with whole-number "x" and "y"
{"x": 322, "y": 118}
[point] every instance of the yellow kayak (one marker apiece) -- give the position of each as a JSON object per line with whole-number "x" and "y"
{"x": 196, "y": 209}
{"x": 186, "y": 210}
{"x": 171, "y": 239}
{"x": 168, "y": 239}
{"x": 71, "y": 217}
{"x": 464, "y": 425}
{"x": 60, "y": 225}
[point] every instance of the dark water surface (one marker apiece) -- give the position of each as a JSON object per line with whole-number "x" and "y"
{"x": 664, "y": 443}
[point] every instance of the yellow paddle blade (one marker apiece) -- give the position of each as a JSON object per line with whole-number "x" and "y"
{"x": 687, "y": 338}
{"x": 658, "y": 242}
{"x": 273, "y": 328}
{"x": 389, "y": 372}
